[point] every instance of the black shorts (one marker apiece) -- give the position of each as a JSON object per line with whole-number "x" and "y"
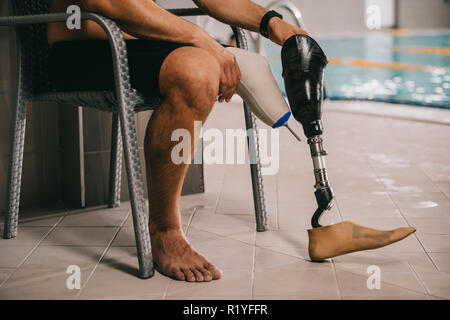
{"x": 87, "y": 64}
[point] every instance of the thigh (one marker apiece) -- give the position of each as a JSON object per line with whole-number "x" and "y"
{"x": 87, "y": 64}
{"x": 146, "y": 58}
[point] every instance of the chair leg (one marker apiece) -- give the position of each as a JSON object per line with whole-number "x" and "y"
{"x": 115, "y": 171}
{"x": 15, "y": 169}
{"x": 136, "y": 190}
{"x": 255, "y": 169}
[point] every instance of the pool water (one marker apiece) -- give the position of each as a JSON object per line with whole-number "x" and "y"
{"x": 382, "y": 66}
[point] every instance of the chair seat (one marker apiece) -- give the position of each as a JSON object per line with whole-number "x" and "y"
{"x": 101, "y": 100}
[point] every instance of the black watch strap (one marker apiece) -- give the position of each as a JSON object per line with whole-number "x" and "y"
{"x": 263, "y": 26}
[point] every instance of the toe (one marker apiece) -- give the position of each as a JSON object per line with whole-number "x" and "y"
{"x": 207, "y": 276}
{"x": 179, "y": 275}
{"x": 189, "y": 276}
{"x": 198, "y": 275}
{"x": 173, "y": 272}
{"x": 215, "y": 272}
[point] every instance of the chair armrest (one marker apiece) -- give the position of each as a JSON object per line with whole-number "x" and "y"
{"x": 61, "y": 17}
{"x": 187, "y": 12}
{"x": 11, "y": 21}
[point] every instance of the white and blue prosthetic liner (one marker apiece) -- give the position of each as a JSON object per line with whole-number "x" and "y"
{"x": 260, "y": 91}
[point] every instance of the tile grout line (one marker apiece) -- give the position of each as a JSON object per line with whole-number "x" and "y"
{"x": 253, "y": 267}
{"x": 277, "y": 206}
{"x": 284, "y": 253}
{"x": 255, "y": 245}
{"x": 166, "y": 290}
{"x": 406, "y": 220}
{"x": 385, "y": 282}
{"x": 190, "y": 220}
{"x": 216, "y": 204}
{"x": 338, "y": 208}
{"x": 433, "y": 182}
{"x": 401, "y": 213}
{"x": 227, "y": 237}
{"x": 419, "y": 280}
{"x": 415, "y": 233}
{"x": 341, "y": 296}
{"x": 102, "y": 256}
{"x": 424, "y": 285}
{"x": 88, "y": 209}
{"x": 278, "y": 201}
{"x": 33, "y": 250}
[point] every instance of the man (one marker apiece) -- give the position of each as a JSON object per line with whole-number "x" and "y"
{"x": 177, "y": 60}
{"x": 192, "y": 70}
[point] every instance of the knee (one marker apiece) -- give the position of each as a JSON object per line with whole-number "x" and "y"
{"x": 191, "y": 74}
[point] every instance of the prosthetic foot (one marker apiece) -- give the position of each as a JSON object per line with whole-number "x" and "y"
{"x": 304, "y": 64}
{"x": 345, "y": 237}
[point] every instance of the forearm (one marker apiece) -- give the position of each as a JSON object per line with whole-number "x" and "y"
{"x": 240, "y": 13}
{"x": 145, "y": 19}
{"x": 247, "y": 14}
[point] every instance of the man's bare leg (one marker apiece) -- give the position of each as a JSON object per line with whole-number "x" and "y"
{"x": 189, "y": 83}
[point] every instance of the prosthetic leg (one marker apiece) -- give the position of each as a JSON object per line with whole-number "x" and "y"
{"x": 304, "y": 64}
{"x": 303, "y": 69}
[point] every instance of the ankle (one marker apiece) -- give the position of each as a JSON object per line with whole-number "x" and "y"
{"x": 164, "y": 230}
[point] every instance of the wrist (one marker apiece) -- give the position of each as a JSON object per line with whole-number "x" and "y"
{"x": 204, "y": 41}
{"x": 198, "y": 38}
{"x": 273, "y": 25}
{"x": 265, "y": 20}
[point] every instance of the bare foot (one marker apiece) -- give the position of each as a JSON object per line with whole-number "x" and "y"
{"x": 175, "y": 257}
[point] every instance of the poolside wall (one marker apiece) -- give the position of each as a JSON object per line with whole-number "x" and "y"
{"x": 419, "y": 14}
{"x": 323, "y": 17}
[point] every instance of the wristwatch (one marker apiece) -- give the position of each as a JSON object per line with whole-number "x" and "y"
{"x": 263, "y": 26}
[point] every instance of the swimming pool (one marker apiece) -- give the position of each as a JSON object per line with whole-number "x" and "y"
{"x": 402, "y": 67}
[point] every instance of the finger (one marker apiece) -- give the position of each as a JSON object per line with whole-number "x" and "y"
{"x": 236, "y": 77}
{"x": 239, "y": 75}
{"x": 225, "y": 81}
{"x": 222, "y": 86}
{"x": 229, "y": 84}
{"x": 231, "y": 87}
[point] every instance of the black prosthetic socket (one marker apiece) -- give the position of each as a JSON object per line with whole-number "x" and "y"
{"x": 303, "y": 71}
{"x": 304, "y": 65}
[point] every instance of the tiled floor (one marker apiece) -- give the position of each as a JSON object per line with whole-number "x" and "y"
{"x": 386, "y": 173}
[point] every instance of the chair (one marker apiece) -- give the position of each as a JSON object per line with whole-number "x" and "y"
{"x": 31, "y": 17}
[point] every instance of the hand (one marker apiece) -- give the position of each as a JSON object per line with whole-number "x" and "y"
{"x": 230, "y": 75}
{"x": 280, "y": 30}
